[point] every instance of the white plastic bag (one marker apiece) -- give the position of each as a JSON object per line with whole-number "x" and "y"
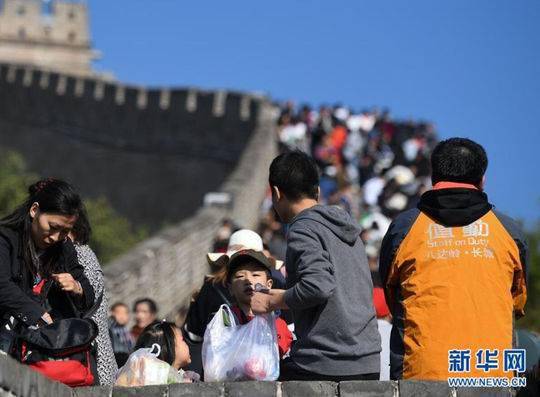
{"x": 143, "y": 368}
{"x": 233, "y": 352}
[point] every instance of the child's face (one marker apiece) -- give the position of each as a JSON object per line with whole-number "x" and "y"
{"x": 182, "y": 356}
{"x": 244, "y": 279}
{"x": 121, "y": 314}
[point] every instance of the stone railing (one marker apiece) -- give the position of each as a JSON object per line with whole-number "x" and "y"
{"x": 20, "y": 381}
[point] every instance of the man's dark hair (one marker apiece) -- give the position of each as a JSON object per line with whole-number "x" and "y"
{"x": 295, "y": 174}
{"x": 151, "y": 304}
{"x": 458, "y": 160}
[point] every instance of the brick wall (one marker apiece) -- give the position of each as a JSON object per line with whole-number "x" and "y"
{"x": 18, "y": 380}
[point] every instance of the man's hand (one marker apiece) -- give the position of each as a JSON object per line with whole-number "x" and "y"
{"x": 67, "y": 283}
{"x": 267, "y": 302}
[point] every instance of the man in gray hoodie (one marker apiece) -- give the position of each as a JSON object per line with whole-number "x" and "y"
{"x": 329, "y": 289}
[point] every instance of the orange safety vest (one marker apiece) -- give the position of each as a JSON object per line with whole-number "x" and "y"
{"x": 452, "y": 289}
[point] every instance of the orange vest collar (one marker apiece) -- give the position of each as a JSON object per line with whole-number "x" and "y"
{"x": 453, "y": 185}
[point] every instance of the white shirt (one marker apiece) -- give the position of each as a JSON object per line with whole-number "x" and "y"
{"x": 385, "y": 329}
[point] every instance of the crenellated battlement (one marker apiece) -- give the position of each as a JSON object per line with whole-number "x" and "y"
{"x": 221, "y": 103}
{"x": 141, "y": 147}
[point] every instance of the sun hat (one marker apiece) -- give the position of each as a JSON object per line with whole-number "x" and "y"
{"x": 240, "y": 240}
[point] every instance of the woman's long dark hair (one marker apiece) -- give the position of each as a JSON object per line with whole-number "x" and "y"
{"x": 162, "y": 333}
{"x": 82, "y": 230}
{"x": 54, "y": 197}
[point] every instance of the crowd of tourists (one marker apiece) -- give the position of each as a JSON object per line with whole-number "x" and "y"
{"x": 378, "y": 256}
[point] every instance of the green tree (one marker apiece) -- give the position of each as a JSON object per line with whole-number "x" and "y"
{"x": 14, "y": 181}
{"x": 112, "y": 234}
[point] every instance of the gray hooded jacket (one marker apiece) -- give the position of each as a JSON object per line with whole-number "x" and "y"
{"x": 329, "y": 292}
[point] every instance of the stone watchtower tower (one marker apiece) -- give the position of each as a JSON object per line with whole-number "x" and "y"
{"x": 52, "y": 35}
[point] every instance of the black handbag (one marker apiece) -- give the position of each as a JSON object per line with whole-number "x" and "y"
{"x": 64, "y": 350}
{"x": 61, "y": 351}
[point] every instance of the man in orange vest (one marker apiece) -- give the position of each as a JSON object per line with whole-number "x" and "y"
{"x": 454, "y": 271}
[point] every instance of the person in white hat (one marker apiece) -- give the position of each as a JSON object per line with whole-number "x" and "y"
{"x": 241, "y": 239}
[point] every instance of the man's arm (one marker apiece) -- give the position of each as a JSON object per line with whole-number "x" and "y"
{"x": 314, "y": 272}
{"x": 519, "y": 284}
{"x": 266, "y": 302}
{"x": 388, "y": 269}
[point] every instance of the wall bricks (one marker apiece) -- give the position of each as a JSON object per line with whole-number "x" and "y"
{"x": 294, "y": 389}
{"x": 147, "y": 391}
{"x": 423, "y": 389}
{"x": 101, "y": 391}
{"x": 367, "y": 389}
{"x": 197, "y": 390}
{"x": 248, "y": 389}
{"x": 20, "y": 381}
{"x": 485, "y": 392}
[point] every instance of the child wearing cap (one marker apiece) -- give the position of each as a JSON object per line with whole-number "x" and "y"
{"x": 245, "y": 270}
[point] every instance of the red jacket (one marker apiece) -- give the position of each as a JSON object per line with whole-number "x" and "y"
{"x": 284, "y": 336}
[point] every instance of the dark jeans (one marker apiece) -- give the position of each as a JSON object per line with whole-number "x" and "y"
{"x": 288, "y": 370}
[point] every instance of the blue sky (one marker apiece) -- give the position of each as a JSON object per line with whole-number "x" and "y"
{"x": 471, "y": 67}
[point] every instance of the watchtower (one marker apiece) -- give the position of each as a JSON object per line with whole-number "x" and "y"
{"x": 51, "y": 35}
